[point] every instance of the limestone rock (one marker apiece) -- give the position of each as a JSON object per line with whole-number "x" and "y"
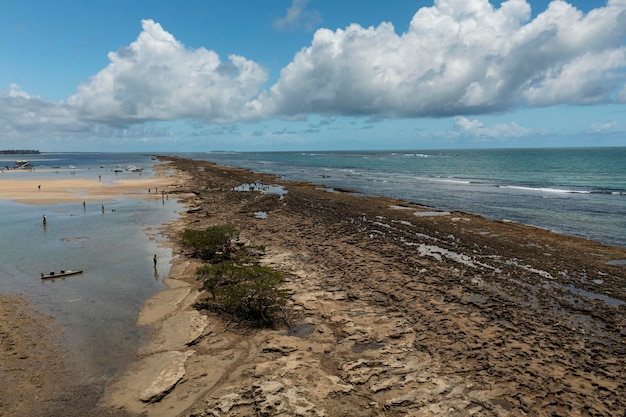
{"x": 171, "y": 371}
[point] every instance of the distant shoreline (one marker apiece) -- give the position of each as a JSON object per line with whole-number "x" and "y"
{"x": 19, "y": 152}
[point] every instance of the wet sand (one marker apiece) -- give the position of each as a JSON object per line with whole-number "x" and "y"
{"x": 395, "y": 310}
{"x": 68, "y": 190}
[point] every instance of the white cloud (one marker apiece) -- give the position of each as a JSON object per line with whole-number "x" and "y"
{"x": 37, "y": 121}
{"x": 298, "y": 16}
{"x": 456, "y": 58}
{"x": 157, "y": 78}
{"x": 22, "y": 115}
{"x": 500, "y": 131}
{"x": 467, "y": 125}
{"x": 603, "y": 127}
{"x": 460, "y": 58}
{"x": 15, "y": 91}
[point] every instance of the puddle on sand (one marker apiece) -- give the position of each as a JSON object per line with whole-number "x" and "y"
{"x": 362, "y": 347}
{"x": 260, "y": 214}
{"x": 302, "y": 330}
{"x": 617, "y": 262}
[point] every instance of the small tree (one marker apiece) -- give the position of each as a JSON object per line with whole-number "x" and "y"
{"x": 205, "y": 244}
{"x": 250, "y": 292}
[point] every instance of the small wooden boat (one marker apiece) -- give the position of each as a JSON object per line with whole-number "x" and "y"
{"x": 61, "y": 273}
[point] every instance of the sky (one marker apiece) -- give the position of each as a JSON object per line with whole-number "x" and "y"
{"x": 291, "y": 75}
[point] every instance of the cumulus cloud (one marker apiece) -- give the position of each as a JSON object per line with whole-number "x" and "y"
{"x": 157, "y": 78}
{"x": 460, "y": 58}
{"x": 298, "y": 16}
{"x": 24, "y": 115}
{"x": 456, "y": 58}
{"x": 476, "y": 128}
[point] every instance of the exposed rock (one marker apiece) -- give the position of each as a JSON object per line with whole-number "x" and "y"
{"x": 402, "y": 315}
{"x": 172, "y": 370}
{"x": 182, "y": 329}
{"x": 149, "y": 380}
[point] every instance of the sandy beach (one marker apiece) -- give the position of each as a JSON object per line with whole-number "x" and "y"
{"x": 395, "y": 310}
{"x": 68, "y": 190}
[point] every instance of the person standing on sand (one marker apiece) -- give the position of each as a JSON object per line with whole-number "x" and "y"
{"x": 154, "y": 259}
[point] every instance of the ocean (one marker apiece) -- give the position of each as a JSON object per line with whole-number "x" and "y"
{"x": 97, "y": 310}
{"x": 573, "y": 191}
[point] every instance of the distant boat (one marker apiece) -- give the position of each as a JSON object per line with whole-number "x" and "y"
{"x": 71, "y": 167}
{"x": 133, "y": 168}
{"x": 62, "y": 273}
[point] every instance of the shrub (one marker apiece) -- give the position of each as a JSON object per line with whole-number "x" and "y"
{"x": 249, "y": 292}
{"x": 205, "y": 244}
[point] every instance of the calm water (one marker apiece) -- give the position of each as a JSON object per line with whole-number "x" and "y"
{"x": 581, "y": 192}
{"x": 97, "y": 309}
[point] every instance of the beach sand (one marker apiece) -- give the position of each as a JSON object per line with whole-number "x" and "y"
{"x": 69, "y": 190}
{"x": 395, "y": 311}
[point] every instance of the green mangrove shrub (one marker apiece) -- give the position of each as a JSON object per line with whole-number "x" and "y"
{"x": 205, "y": 244}
{"x": 249, "y": 292}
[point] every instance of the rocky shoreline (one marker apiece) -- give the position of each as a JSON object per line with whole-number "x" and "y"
{"x": 396, "y": 310}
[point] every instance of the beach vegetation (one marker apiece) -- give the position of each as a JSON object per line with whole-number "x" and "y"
{"x": 249, "y": 292}
{"x": 208, "y": 243}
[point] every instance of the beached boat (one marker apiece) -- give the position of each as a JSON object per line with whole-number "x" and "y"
{"x": 22, "y": 164}
{"x": 61, "y": 273}
{"x": 133, "y": 168}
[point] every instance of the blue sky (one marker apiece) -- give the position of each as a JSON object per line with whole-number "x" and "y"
{"x": 263, "y": 75}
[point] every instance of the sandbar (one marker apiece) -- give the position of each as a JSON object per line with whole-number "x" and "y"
{"x": 68, "y": 190}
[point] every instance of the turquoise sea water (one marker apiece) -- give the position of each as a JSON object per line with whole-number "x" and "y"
{"x": 97, "y": 309}
{"x": 576, "y": 191}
